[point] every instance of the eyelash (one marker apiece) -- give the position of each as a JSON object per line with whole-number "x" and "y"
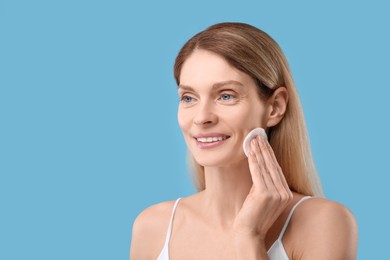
{"x": 226, "y": 94}
{"x": 184, "y": 97}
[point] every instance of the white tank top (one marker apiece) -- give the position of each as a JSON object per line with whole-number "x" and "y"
{"x": 275, "y": 252}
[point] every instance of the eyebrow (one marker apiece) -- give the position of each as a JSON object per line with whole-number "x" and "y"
{"x": 215, "y": 85}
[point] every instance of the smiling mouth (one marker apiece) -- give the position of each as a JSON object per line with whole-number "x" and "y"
{"x": 211, "y": 139}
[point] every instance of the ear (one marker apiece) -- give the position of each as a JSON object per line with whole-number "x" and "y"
{"x": 277, "y": 106}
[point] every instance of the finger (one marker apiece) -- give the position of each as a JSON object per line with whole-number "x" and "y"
{"x": 262, "y": 165}
{"x": 272, "y": 166}
{"x": 255, "y": 171}
{"x": 276, "y": 163}
{"x": 280, "y": 190}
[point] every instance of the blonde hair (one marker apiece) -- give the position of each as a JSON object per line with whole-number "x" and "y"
{"x": 255, "y": 53}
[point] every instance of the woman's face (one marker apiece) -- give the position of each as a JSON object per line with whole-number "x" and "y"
{"x": 219, "y": 106}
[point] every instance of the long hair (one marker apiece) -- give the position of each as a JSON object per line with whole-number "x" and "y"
{"x": 255, "y": 53}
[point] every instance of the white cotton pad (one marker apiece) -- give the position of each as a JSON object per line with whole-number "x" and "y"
{"x": 252, "y": 134}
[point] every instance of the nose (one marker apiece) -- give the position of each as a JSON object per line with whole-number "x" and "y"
{"x": 205, "y": 114}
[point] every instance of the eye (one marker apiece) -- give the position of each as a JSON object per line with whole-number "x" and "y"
{"x": 186, "y": 99}
{"x": 226, "y": 97}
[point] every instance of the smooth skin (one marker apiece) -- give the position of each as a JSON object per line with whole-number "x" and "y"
{"x": 247, "y": 200}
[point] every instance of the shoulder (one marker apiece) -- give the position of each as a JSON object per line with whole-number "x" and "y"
{"x": 324, "y": 230}
{"x": 149, "y": 230}
{"x": 324, "y": 210}
{"x": 147, "y": 218}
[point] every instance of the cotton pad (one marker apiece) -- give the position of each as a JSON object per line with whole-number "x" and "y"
{"x": 252, "y": 134}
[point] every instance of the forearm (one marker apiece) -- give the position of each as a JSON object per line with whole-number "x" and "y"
{"x": 250, "y": 248}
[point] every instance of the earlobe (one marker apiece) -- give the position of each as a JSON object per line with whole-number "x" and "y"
{"x": 277, "y": 106}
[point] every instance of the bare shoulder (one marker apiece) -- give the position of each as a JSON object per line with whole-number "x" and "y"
{"x": 154, "y": 216}
{"x": 324, "y": 210}
{"x": 324, "y": 229}
{"x": 149, "y": 230}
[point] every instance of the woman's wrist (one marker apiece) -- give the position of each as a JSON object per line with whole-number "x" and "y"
{"x": 250, "y": 247}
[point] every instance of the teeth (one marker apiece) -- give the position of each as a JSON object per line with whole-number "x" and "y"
{"x": 210, "y": 139}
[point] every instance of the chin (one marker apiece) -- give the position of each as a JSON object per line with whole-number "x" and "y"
{"x": 216, "y": 160}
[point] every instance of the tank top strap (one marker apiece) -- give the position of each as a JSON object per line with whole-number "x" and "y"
{"x": 171, "y": 221}
{"x": 290, "y": 215}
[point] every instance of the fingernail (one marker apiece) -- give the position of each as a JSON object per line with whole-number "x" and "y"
{"x": 254, "y": 142}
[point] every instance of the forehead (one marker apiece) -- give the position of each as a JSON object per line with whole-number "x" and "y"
{"x": 205, "y": 68}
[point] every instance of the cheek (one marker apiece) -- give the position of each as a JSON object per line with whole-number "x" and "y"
{"x": 244, "y": 117}
{"x": 248, "y": 119}
{"x": 182, "y": 119}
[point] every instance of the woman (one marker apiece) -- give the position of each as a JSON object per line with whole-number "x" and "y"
{"x": 233, "y": 78}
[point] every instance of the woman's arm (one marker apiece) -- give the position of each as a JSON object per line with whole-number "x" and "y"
{"x": 250, "y": 247}
{"x": 136, "y": 237}
{"x": 149, "y": 231}
{"x": 324, "y": 230}
{"x": 140, "y": 241}
{"x": 267, "y": 199}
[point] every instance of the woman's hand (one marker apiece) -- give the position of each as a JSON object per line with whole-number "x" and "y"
{"x": 268, "y": 196}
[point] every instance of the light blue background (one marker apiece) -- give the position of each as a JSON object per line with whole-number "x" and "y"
{"x": 88, "y": 130}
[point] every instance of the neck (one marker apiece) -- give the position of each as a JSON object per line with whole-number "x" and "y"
{"x": 225, "y": 192}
